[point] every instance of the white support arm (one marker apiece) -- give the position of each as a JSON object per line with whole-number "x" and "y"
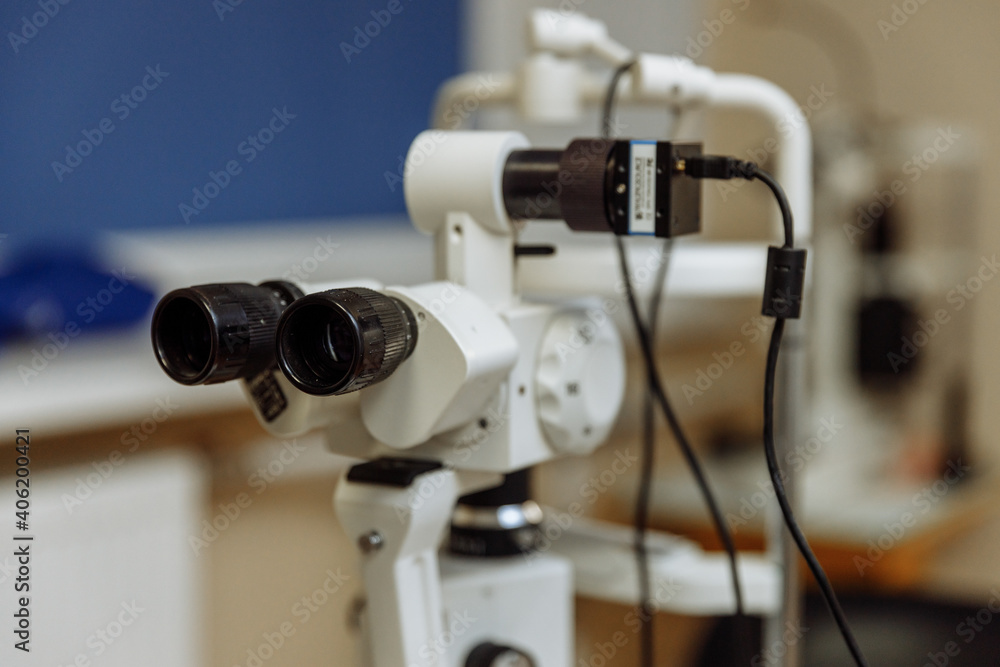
{"x": 574, "y": 35}
{"x": 794, "y": 139}
{"x": 462, "y": 96}
{"x": 656, "y": 80}
{"x": 678, "y": 83}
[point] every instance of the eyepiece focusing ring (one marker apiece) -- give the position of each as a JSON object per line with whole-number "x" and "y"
{"x": 214, "y": 333}
{"x": 343, "y": 340}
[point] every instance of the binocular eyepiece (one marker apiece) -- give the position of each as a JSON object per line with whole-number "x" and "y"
{"x": 343, "y": 340}
{"x": 327, "y": 343}
{"x": 215, "y": 333}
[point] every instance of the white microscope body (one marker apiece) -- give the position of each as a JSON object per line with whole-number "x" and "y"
{"x": 495, "y": 384}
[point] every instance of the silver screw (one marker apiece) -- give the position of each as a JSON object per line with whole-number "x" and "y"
{"x": 370, "y": 542}
{"x": 621, "y": 188}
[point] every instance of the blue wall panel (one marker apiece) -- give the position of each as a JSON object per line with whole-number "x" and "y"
{"x": 225, "y": 74}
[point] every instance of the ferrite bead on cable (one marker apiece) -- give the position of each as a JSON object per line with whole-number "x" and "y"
{"x": 785, "y": 282}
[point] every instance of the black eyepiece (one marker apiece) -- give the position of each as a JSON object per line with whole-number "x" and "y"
{"x": 215, "y": 333}
{"x": 344, "y": 340}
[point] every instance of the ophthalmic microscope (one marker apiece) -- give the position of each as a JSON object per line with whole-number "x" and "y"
{"x": 450, "y": 391}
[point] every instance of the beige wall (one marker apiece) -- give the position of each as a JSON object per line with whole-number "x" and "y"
{"x": 941, "y": 67}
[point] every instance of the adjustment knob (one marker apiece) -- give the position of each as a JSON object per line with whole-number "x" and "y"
{"x": 489, "y": 654}
{"x": 580, "y": 381}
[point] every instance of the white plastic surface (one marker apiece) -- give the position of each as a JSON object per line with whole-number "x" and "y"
{"x": 580, "y": 381}
{"x": 476, "y": 258}
{"x": 792, "y": 132}
{"x": 458, "y": 172}
{"x": 588, "y": 265}
{"x": 463, "y": 352}
{"x": 685, "y": 579}
{"x": 670, "y": 80}
{"x": 401, "y": 577}
{"x": 572, "y": 33}
{"x": 504, "y": 435}
{"x": 113, "y": 580}
{"x": 551, "y": 90}
{"x": 526, "y": 603}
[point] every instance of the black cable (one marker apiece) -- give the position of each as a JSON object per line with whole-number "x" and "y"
{"x": 786, "y": 510}
{"x": 646, "y": 469}
{"x": 786, "y": 210}
{"x": 773, "y": 469}
{"x": 609, "y": 98}
{"x": 641, "y": 512}
{"x": 656, "y": 391}
{"x": 722, "y": 167}
{"x": 656, "y": 386}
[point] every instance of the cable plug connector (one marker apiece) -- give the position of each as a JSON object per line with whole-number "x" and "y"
{"x": 719, "y": 167}
{"x": 785, "y": 283}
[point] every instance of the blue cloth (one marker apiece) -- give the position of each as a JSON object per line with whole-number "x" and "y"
{"x": 52, "y": 295}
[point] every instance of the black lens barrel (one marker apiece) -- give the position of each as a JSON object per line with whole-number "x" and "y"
{"x": 343, "y": 340}
{"x": 569, "y": 185}
{"x": 219, "y": 332}
{"x": 531, "y": 185}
